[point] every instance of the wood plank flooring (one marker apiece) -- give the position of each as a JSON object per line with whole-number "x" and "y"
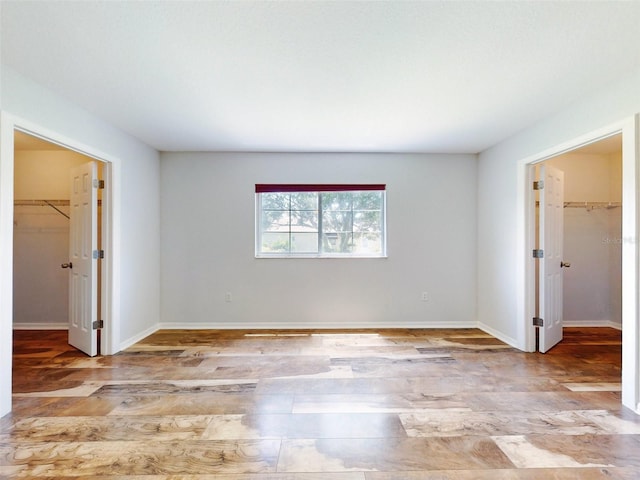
{"x": 311, "y": 405}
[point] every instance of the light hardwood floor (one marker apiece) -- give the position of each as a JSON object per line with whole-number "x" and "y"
{"x": 334, "y": 405}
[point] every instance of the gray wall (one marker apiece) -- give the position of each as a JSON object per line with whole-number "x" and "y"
{"x": 208, "y": 231}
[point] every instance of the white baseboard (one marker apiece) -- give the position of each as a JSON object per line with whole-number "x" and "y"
{"x": 591, "y": 323}
{"x": 40, "y": 326}
{"x": 306, "y": 326}
{"x": 508, "y": 340}
{"x": 136, "y": 338}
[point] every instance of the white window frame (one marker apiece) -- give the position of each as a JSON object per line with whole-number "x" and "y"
{"x": 320, "y": 254}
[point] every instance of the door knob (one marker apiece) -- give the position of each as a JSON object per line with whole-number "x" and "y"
{"x": 67, "y": 265}
{"x": 565, "y": 264}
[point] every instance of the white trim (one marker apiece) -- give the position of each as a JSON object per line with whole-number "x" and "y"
{"x": 320, "y": 232}
{"x": 6, "y": 261}
{"x": 40, "y": 326}
{"x": 630, "y": 265}
{"x": 500, "y": 336}
{"x": 136, "y": 338}
{"x": 630, "y": 253}
{"x": 526, "y": 272}
{"x": 290, "y": 256}
{"x": 310, "y": 326}
{"x": 592, "y": 323}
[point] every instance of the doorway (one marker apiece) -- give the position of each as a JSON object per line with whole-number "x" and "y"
{"x": 41, "y": 224}
{"x": 42, "y": 238}
{"x": 110, "y": 275}
{"x": 593, "y": 233}
{"x": 628, "y": 240}
{"x": 591, "y": 238}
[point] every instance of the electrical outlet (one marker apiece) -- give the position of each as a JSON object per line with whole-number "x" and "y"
{"x": 425, "y": 296}
{"x": 228, "y": 297}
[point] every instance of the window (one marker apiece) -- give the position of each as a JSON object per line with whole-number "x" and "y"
{"x": 320, "y": 220}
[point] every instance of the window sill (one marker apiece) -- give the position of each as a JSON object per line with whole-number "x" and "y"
{"x": 263, "y": 256}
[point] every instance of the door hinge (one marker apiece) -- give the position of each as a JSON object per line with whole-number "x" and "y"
{"x": 98, "y": 324}
{"x": 538, "y": 253}
{"x": 98, "y": 183}
{"x": 98, "y": 254}
{"x": 538, "y": 185}
{"x": 538, "y": 322}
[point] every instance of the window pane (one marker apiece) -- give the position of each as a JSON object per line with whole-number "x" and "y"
{"x": 337, "y": 221}
{"x": 304, "y": 242}
{"x": 275, "y": 201}
{"x": 304, "y": 221}
{"x": 367, "y": 243}
{"x": 339, "y": 242}
{"x": 367, "y": 200}
{"x": 337, "y": 201}
{"x": 275, "y": 243}
{"x": 304, "y": 201}
{"x": 275, "y": 221}
{"x": 367, "y": 221}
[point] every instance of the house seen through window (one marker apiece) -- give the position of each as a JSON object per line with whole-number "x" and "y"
{"x": 320, "y": 220}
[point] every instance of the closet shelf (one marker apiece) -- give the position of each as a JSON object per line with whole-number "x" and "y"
{"x": 592, "y": 205}
{"x": 44, "y": 203}
{"x": 40, "y": 203}
{"x": 47, "y": 203}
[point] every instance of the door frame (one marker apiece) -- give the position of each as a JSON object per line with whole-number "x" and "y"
{"x": 109, "y": 343}
{"x": 629, "y": 128}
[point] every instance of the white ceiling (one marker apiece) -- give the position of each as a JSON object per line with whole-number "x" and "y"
{"x": 381, "y": 76}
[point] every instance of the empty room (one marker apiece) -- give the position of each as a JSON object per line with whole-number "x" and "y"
{"x": 343, "y": 240}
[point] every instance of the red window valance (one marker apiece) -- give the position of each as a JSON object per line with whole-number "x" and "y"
{"x": 316, "y": 187}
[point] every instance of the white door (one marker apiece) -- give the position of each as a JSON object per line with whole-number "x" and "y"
{"x": 83, "y": 241}
{"x": 551, "y": 242}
